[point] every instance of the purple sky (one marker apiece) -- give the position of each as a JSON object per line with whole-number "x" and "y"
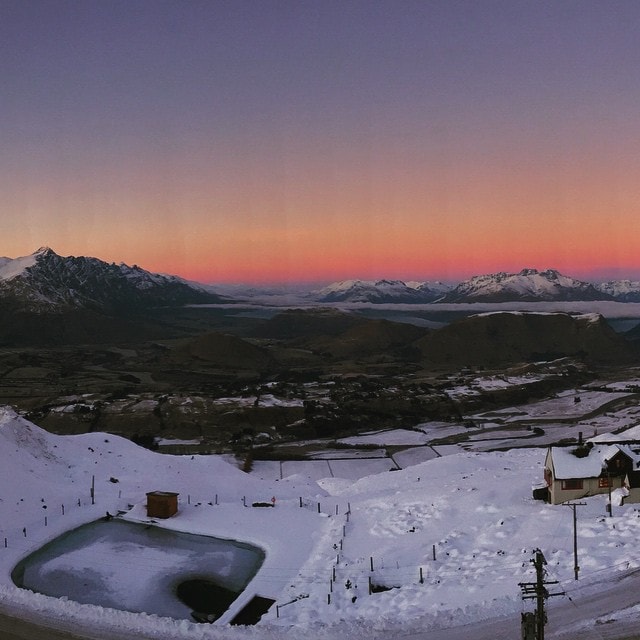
{"x": 299, "y": 140}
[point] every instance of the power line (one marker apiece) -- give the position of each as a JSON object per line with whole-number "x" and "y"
{"x": 573, "y": 505}
{"x": 533, "y": 623}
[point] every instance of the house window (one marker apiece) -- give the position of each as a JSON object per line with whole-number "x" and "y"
{"x": 572, "y": 485}
{"x": 604, "y": 482}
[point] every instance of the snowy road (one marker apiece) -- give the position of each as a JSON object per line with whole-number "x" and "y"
{"x": 590, "y": 617}
{"x": 594, "y": 616}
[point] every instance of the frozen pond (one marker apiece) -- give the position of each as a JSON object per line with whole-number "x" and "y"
{"x": 141, "y": 568}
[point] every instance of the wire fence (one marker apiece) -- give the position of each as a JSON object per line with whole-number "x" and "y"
{"x": 343, "y": 577}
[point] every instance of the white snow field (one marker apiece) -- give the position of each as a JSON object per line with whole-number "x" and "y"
{"x": 449, "y": 538}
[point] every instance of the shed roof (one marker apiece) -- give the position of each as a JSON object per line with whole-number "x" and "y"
{"x": 166, "y": 494}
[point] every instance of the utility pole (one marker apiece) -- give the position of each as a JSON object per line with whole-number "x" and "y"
{"x": 533, "y": 623}
{"x": 573, "y": 505}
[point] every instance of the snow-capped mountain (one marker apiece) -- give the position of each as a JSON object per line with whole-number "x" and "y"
{"x": 433, "y": 291}
{"x": 45, "y": 281}
{"x": 621, "y": 290}
{"x": 381, "y": 291}
{"x": 529, "y": 285}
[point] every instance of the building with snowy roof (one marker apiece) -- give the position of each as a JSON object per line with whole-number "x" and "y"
{"x": 590, "y": 469}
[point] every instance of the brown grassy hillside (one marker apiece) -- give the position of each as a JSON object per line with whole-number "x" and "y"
{"x": 497, "y": 339}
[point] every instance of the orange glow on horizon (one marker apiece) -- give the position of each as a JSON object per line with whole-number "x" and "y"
{"x": 454, "y": 250}
{"x": 245, "y": 145}
{"x": 423, "y": 218}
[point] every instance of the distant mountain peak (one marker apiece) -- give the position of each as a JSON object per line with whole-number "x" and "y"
{"x": 621, "y": 290}
{"x": 45, "y": 281}
{"x": 382, "y": 291}
{"x": 44, "y": 251}
{"x": 551, "y": 274}
{"x": 529, "y": 285}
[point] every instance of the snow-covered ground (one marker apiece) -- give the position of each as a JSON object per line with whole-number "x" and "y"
{"x": 567, "y": 405}
{"x": 450, "y": 538}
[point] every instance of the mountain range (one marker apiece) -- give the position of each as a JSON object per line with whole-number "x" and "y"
{"x": 382, "y": 291}
{"x": 529, "y": 285}
{"x": 45, "y": 282}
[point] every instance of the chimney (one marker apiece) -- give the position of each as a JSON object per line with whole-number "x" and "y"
{"x": 579, "y": 438}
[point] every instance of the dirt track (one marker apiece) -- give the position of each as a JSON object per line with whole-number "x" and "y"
{"x": 14, "y": 629}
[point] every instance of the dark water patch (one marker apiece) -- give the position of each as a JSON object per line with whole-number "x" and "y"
{"x": 205, "y": 597}
{"x": 253, "y": 611}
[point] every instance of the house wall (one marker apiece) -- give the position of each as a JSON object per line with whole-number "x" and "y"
{"x": 633, "y": 497}
{"x": 590, "y": 487}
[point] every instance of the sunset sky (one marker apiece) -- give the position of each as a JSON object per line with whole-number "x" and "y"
{"x": 288, "y": 140}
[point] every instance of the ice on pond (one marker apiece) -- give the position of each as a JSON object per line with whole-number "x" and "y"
{"x": 140, "y": 568}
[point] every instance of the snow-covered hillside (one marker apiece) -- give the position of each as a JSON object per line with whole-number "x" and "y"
{"x": 444, "y": 543}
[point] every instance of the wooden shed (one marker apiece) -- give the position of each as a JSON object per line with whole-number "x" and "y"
{"x": 162, "y": 504}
